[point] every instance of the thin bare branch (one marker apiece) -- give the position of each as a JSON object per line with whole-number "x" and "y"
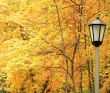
{"x": 58, "y": 67}
{"x": 73, "y": 1}
{"x": 98, "y": 13}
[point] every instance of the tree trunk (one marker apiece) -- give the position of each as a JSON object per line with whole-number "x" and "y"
{"x": 72, "y": 65}
{"x": 45, "y": 85}
{"x": 80, "y": 30}
{"x": 81, "y": 76}
{"x": 63, "y": 46}
{"x": 89, "y": 76}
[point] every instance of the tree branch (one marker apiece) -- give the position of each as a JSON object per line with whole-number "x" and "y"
{"x": 74, "y": 2}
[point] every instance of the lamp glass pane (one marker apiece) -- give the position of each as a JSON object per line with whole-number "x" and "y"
{"x": 96, "y": 29}
{"x": 102, "y": 32}
{"x": 91, "y": 32}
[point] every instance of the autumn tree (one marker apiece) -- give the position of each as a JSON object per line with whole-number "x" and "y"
{"x": 45, "y": 46}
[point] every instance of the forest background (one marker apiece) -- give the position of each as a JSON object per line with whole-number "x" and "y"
{"x": 45, "y": 46}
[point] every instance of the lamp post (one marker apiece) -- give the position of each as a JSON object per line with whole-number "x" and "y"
{"x": 97, "y": 30}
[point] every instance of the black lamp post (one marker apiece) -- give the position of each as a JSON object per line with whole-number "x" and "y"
{"x": 97, "y": 30}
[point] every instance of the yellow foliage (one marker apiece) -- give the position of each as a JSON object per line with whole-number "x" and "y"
{"x": 37, "y": 35}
